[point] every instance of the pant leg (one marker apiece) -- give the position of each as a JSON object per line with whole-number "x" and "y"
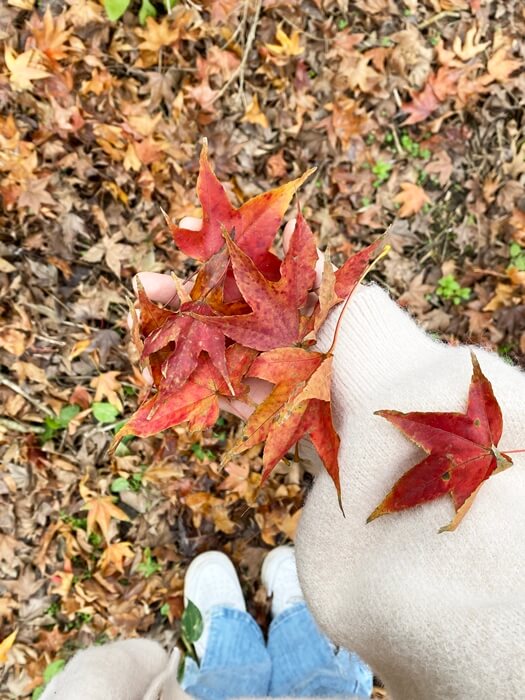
{"x": 304, "y": 663}
{"x": 235, "y": 663}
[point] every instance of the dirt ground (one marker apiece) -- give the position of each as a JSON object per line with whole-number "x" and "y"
{"x": 412, "y": 113}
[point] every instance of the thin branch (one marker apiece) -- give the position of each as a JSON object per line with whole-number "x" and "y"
{"x": 247, "y": 48}
{"x": 18, "y": 390}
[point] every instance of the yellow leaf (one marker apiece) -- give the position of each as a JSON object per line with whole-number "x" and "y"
{"x": 106, "y": 386}
{"x": 253, "y": 114}
{"x": 5, "y": 646}
{"x": 288, "y": 46}
{"x": 411, "y": 199}
{"x": 24, "y": 68}
{"x": 100, "y": 511}
{"x": 114, "y": 556}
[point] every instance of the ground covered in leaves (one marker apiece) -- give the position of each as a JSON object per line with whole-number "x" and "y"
{"x": 412, "y": 113}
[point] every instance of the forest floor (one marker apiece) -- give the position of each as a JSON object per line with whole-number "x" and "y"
{"x": 412, "y": 113}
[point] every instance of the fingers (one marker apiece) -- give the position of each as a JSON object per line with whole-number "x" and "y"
{"x": 287, "y": 236}
{"x": 192, "y": 223}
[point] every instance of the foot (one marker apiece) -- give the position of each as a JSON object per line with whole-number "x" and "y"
{"x": 211, "y": 581}
{"x": 279, "y": 576}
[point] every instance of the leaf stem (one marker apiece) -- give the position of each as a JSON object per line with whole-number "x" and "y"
{"x": 512, "y": 452}
{"x": 386, "y": 250}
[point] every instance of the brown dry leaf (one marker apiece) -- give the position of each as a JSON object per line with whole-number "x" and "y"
{"x": 471, "y": 45}
{"x": 100, "y": 511}
{"x": 107, "y": 386}
{"x": 28, "y": 371}
{"x": 500, "y": 67}
{"x": 502, "y": 298}
{"x": 442, "y": 166}
{"x": 412, "y": 198}
{"x": 115, "y": 556}
{"x": 253, "y": 113}
{"x": 24, "y": 68}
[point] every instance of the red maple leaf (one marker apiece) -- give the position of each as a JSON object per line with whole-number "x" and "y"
{"x": 298, "y": 405}
{"x": 274, "y": 320}
{"x": 255, "y": 223}
{"x": 461, "y": 449}
{"x": 196, "y": 402}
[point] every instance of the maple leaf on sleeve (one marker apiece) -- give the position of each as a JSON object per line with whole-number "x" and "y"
{"x": 274, "y": 321}
{"x": 461, "y": 448}
{"x": 412, "y": 198}
{"x": 256, "y": 222}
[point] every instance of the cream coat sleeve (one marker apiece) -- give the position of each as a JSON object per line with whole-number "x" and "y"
{"x": 437, "y": 616}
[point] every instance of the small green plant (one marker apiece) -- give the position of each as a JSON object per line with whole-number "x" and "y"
{"x": 104, "y": 412}
{"x": 116, "y": 8}
{"x": 450, "y": 289}
{"x": 149, "y": 565}
{"x": 381, "y": 169}
{"x": 130, "y": 483}
{"x": 342, "y": 24}
{"x": 517, "y": 257}
{"x": 53, "y": 424}
{"x": 201, "y": 454}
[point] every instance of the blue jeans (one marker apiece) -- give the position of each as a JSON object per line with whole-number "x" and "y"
{"x": 297, "y": 661}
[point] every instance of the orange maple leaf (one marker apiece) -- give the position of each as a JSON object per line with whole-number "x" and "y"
{"x": 100, "y": 511}
{"x": 412, "y": 199}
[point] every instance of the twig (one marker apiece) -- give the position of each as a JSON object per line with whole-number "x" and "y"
{"x": 247, "y": 48}
{"x": 436, "y": 18}
{"x": 14, "y": 387}
{"x": 240, "y": 27}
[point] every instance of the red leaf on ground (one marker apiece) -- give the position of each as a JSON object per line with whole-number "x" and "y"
{"x": 461, "y": 451}
{"x": 421, "y": 106}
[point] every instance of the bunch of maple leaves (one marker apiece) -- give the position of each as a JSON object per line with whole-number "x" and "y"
{"x": 247, "y": 314}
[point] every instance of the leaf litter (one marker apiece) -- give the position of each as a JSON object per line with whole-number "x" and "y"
{"x": 98, "y": 126}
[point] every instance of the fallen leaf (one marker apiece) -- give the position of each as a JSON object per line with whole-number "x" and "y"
{"x": 253, "y": 114}
{"x": 100, "y": 511}
{"x": 106, "y": 386}
{"x": 5, "y": 646}
{"x": 24, "y": 68}
{"x": 412, "y": 198}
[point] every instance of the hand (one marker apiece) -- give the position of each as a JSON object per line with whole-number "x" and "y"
{"x": 162, "y": 289}
{"x": 437, "y": 616}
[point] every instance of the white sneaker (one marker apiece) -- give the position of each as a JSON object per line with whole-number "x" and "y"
{"x": 279, "y": 576}
{"x": 211, "y": 580}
